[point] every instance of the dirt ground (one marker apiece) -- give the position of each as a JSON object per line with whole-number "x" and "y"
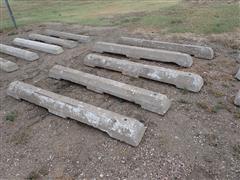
{"x": 198, "y": 138}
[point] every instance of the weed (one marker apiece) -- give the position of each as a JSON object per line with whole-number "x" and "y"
{"x": 216, "y": 108}
{"x": 33, "y": 176}
{"x": 216, "y": 93}
{"x": 203, "y": 105}
{"x": 211, "y": 109}
{"x": 225, "y": 85}
{"x": 183, "y": 101}
{"x": 11, "y": 116}
{"x": 184, "y": 91}
{"x": 237, "y": 114}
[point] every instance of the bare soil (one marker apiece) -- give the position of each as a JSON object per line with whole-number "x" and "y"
{"x": 198, "y": 138}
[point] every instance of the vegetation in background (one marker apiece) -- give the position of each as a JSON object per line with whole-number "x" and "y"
{"x": 165, "y": 16}
{"x": 183, "y": 17}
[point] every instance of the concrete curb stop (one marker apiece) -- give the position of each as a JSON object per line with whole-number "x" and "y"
{"x": 120, "y": 127}
{"x": 237, "y": 99}
{"x": 181, "y": 79}
{"x": 52, "y": 40}
{"x": 39, "y": 46}
{"x": 197, "y": 51}
{"x": 70, "y": 36}
{"x": 149, "y": 100}
{"x": 19, "y": 53}
{"x": 180, "y": 59}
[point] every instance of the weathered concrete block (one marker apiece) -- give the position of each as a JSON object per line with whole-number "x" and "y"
{"x": 20, "y": 53}
{"x": 183, "y": 80}
{"x": 52, "y": 40}
{"x": 149, "y": 100}
{"x": 238, "y": 57}
{"x": 65, "y": 35}
{"x": 123, "y": 128}
{"x": 8, "y": 66}
{"x": 146, "y": 53}
{"x": 197, "y": 51}
{"x": 238, "y": 74}
{"x": 237, "y": 99}
{"x": 48, "y": 48}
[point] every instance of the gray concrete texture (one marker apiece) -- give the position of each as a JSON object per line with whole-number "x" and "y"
{"x": 197, "y": 51}
{"x": 180, "y": 59}
{"x": 148, "y": 100}
{"x": 19, "y": 53}
{"x": 184, "y": 80}
{"x": 52, "y": 40}
{"x": 120, "y": 127}
{"x": 237, "y": 99}
{"x": 238, "y": 74}
{"x": 66, "y": 35}
{"x": 7, "y": 66}
{"x": 39, "y": 46}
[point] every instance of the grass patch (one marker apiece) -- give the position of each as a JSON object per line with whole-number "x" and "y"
{"x": 184, "y": 91}
{"x": 216, "y": 93}
{"x": 205, "y": 19}
{"x": 33, "y": 176}
{"x": 173, "y": 16}
{"x": 94, "y": 12}
{"x": 217, "y": 108}
{"x": 11, "y": 116}
{"x": 225, "y": 85}
{"x": 203, "y": 105}
{"x": 183, "y": 101}
{"x": 211, "y": 109}
{"x": 237, "y": 114}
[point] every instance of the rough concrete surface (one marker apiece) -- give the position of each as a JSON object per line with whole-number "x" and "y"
{"x": 197, "y": 51}
{"x": 198, "y": 138}
{"x": 7, "y": 66}
{"x": 17, "y": 52}
{"x": 52, "y": 40}
{"x": 238, "y": 74}
{"x": 39, "y": 46}
{"x": 149, "y": 100}
{"x": 120, "y": 127}
{"x": 180, "y": 59}
{"x": 181, "y": 79}
{"x": 66, "y": 35}
{"x": 237, "y": 99}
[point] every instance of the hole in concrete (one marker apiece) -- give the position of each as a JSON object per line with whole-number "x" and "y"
{"x": 125, "y": 119}
{"x": 54, "y": 36}
{"x": 40, "y": 41}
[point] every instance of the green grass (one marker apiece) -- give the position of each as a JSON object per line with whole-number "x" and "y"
{"x": 92, "y": 12}
{"x": 11, "y": 116}
{"x": 213, "y": 18}
{"x": 172, "y": 16}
